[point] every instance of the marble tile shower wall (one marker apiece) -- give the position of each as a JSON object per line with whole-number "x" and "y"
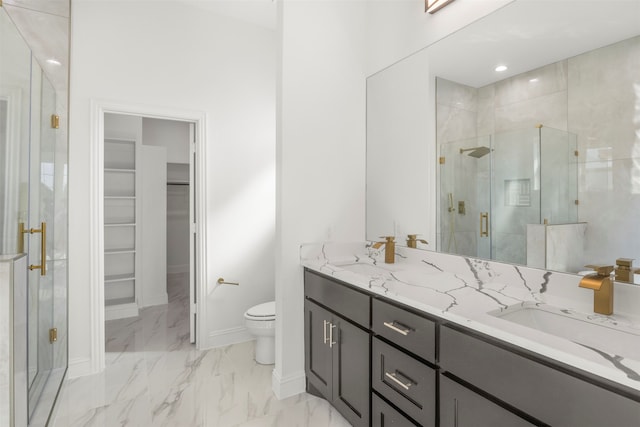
{"x": 456, "y": 124}
{"x": 604, "y": 111}
{"x": 595, "y": 95}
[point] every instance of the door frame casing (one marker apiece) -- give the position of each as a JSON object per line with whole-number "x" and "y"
{"x": 96, "y": 215}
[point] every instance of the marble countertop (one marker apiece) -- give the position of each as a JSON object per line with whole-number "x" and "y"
{"x": 470, "y": 292}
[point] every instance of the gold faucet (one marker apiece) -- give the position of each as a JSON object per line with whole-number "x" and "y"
{"x": 602, "y": 287}
{"x": 389, "y": 248}
{"x": 412, "y": 241}
{"x": 624, "y": 270}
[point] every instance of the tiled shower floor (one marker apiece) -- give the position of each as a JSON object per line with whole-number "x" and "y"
{"x": 155, "y": 377}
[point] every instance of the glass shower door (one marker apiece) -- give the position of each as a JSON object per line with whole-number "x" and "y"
{"x": 465, "y": 197}
{"x": 33, "y": 214}
{"x": 39, "y": 236}
{"x": 516, "y": 187}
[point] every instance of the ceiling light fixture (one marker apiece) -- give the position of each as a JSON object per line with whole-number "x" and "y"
{"x": 501, "y": 68}
{"x": 432, "y": 6}
{"x": 53, "y": 62}
{"x": 535, "y": 80}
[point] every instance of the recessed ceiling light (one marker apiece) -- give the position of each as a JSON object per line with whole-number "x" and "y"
{"x": 501, "y": 68}
{"x": 534, "y": 80}
{"x": 53, "y": 62}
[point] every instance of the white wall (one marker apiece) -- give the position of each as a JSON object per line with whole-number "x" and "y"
{"x": 170, "y": 134}
{"x": 321, "y": 154}
{"x": 130, "y": 53}
{"x": 327, "y": 48}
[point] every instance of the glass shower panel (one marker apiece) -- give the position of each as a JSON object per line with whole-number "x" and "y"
{"x": 15, "y": 84}
{"x": 559, "y": 176}
{"x": 516, "y": 193}
{"x": 464, "y": 195}
{"x": 33, "y": 182}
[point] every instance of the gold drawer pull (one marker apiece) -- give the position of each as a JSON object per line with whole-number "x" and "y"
{"x": 398, "y": 327}
{"x": 394, "y": 377}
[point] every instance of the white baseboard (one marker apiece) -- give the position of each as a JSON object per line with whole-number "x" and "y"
{"x": 80, "y": 367}
{"x": 159, "y": 299}
{"x": 120, "y": 311}
{"x": 288, "y": 386}
{"x": 227, "y": 337}
{"x": 174, "y": 269}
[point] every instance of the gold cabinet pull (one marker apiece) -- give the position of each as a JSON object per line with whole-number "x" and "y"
{"x": 43, "y": 247}
{"x": 484, "y": 224}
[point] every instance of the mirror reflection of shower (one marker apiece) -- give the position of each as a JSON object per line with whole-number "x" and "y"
{"x": 452, "y": 226}
{"x": 476, "y": 152}
{"x": 500, "y": 183}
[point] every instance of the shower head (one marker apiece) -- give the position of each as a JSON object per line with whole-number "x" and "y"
{"x": 476, "y": 152}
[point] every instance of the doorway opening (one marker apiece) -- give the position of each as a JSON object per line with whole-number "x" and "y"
{"x": 148, "y": 188}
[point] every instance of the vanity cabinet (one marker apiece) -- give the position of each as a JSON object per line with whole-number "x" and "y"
{"x": 461, "y": 407}
{"x": 548, "y": 393}
{"x": 403, "y": 343}
{"x": 404, "y": 381}
{"x": 337, "y": 351}
{"x": 383, "y": 364}
{"x": 385, "y": 415}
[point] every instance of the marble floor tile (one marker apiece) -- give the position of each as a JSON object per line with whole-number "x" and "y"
{"x": 155, "y": 377}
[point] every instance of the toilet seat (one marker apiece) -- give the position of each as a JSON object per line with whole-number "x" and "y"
{"x": 262, "y": 312}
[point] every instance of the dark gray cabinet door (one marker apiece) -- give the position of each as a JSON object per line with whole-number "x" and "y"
{"x": 351, "y": 362}
{"x": 318, "y": 354}
{"x": 461, "y": 407}
{"x": 337, "y": 362}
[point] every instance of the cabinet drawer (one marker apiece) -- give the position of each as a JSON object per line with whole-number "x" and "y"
{"x": 461, "y": 407}
{"x": 385, "y": 415}
{"x": 352, "y": 304}
{"x": 550, "y": 395}
{"x": 406, "y": 382}
{"x": 408, "y": 330}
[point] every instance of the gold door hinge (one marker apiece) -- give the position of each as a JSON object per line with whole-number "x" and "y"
{"x": 577, "y": 202}
{"x": 576, "y": 153}
{"x": 441, "y": 160}
{"x": 53, "y": 335}
{"x": 55, "y": 119}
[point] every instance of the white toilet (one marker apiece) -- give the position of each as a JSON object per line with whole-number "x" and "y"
{"x": 261, "y": 322}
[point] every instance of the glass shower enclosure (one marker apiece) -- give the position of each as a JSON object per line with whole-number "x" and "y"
{"x": 492, "y": 187}
{"x": 33, "y": 221}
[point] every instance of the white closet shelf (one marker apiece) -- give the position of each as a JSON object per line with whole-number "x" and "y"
{"x": 119, "y": 141}
{"x": 119, "y": 224}
{"x": 120, "y": 197}
{"x": 120, "y": 301}
{"x": 119, "y": 170}
{"x": 119, "y": 251}
{"x": 119, "y": 278}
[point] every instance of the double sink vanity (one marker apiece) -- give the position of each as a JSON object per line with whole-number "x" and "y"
{"x": 445, "y": 340}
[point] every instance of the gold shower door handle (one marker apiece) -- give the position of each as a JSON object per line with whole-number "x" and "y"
{"x": 484, "y": 224}
{"x": 43, "y": 247}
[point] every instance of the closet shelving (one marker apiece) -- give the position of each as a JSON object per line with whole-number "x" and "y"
{"x": 120, "y": 228}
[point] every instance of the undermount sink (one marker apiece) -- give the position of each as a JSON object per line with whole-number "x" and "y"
{"x": 365, "y": 269}
{"x": 593, "y": 331}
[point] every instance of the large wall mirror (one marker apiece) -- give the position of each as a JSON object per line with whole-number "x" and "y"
{"x": 538, "y": 164}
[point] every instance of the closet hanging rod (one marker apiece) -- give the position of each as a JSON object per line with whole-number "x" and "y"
{"x": 177, "y": 183}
